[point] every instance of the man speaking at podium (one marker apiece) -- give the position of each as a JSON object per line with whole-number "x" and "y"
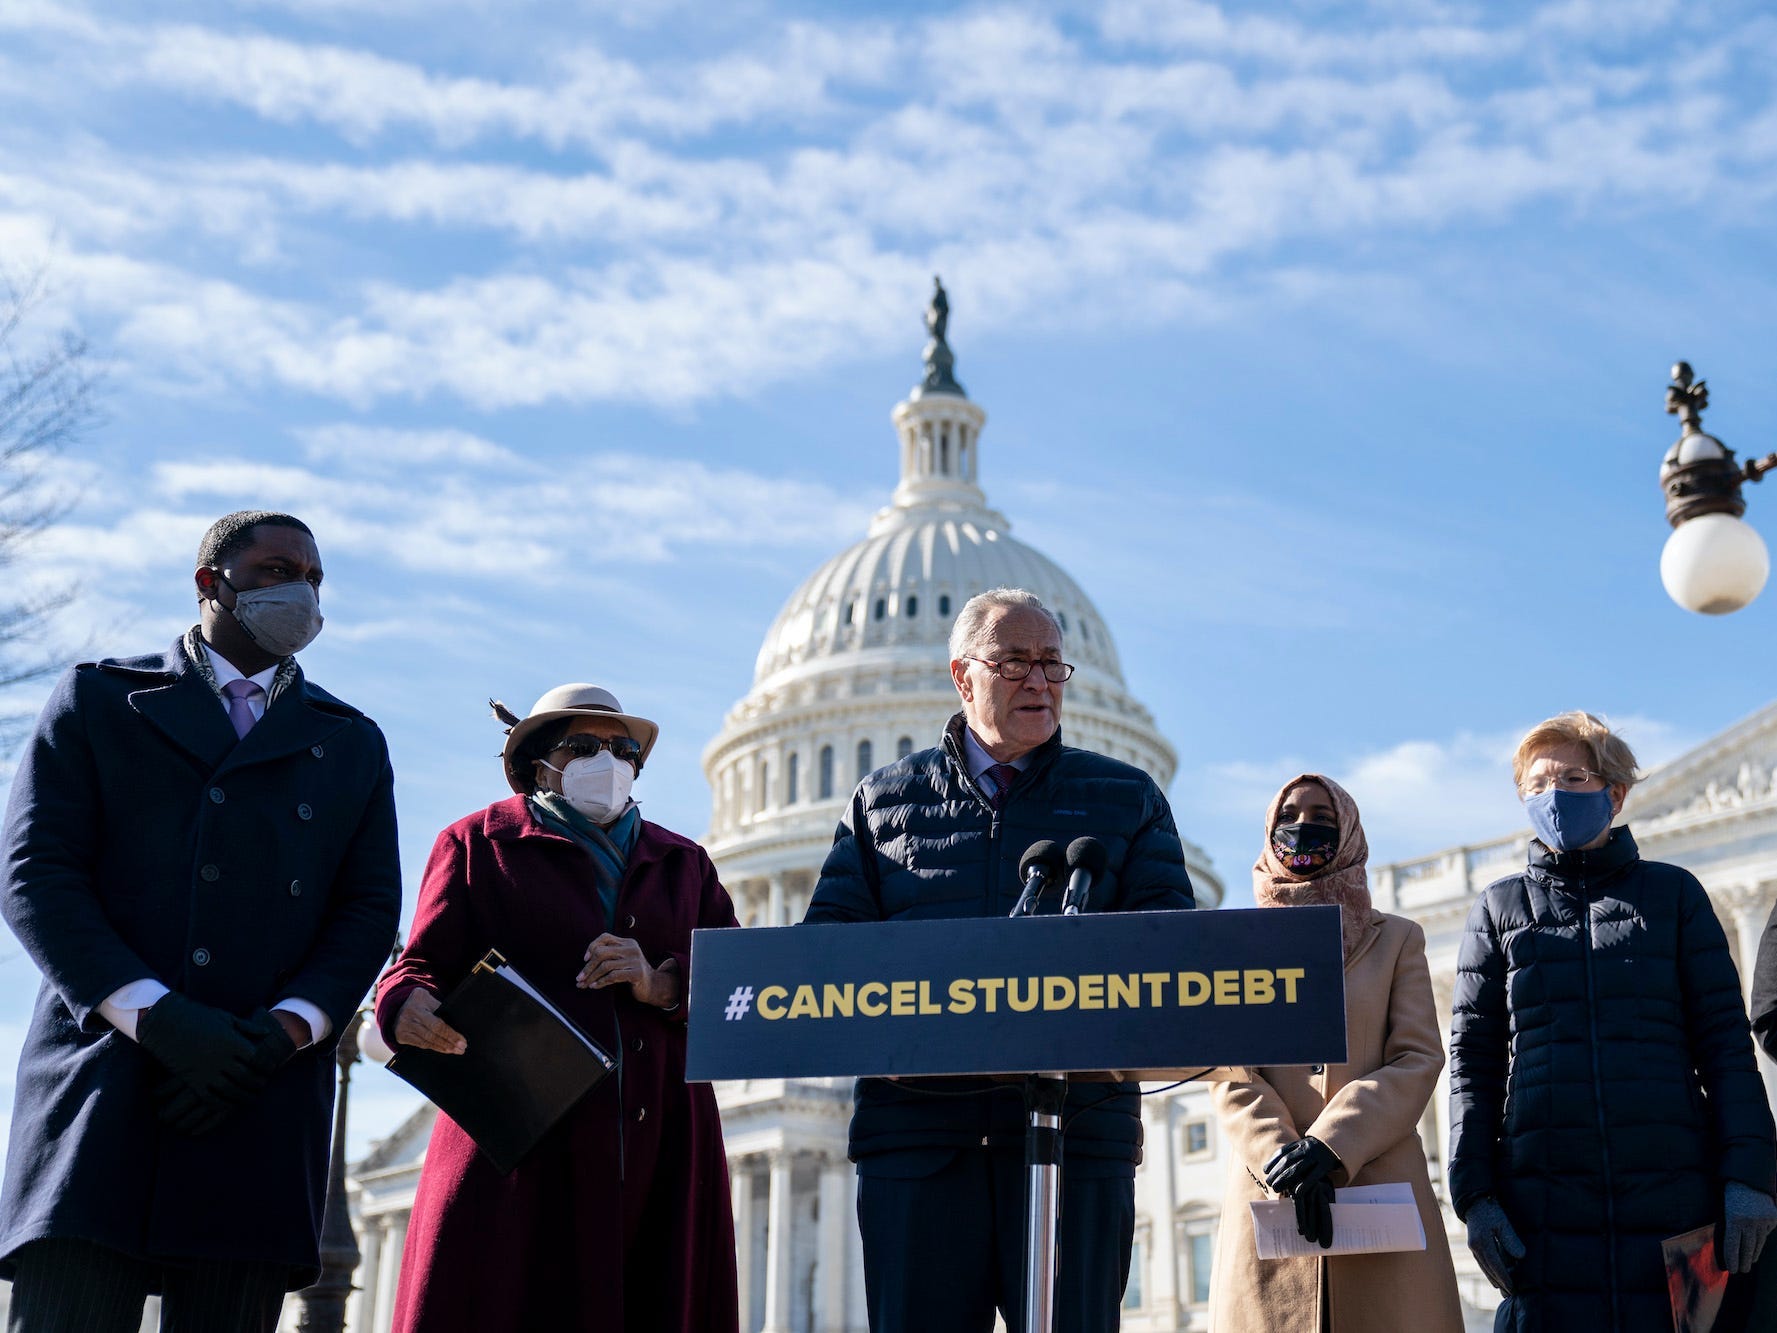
{"x": 941, "y": 1188}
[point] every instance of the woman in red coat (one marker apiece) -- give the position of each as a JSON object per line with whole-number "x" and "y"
{"x": 620, "y": 1218}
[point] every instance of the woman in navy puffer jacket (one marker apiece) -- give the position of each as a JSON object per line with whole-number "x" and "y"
{"x": 1603, "y": 1089}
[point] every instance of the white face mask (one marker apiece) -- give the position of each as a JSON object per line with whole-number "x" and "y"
{"x": 596, "y": 785}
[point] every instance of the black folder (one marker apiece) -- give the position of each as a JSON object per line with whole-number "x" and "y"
{"x": 527, "y": 1064}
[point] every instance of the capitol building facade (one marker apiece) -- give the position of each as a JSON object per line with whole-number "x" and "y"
{"x": 853, "y": 673}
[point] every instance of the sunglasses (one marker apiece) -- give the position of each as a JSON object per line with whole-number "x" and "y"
{"x": 627, "y": 748}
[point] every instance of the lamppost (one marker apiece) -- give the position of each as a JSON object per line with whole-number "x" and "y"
{"x": 324, "y": 1304}
{"x": 1714, "y": 562}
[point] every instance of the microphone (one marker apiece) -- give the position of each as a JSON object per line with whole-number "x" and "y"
{"x": 1085, "y": 862}
{"x": 1039, "y": 861}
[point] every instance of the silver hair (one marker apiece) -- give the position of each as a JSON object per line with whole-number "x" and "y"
{"x": 966, "y": 634}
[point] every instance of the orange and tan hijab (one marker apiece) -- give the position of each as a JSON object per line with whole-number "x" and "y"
{"x": 1342, "y": 883}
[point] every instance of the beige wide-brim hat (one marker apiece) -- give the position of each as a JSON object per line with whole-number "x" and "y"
{"x": 570, "y": 701}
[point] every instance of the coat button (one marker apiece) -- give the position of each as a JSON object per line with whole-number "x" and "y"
{"x": 209, "y": 874}
{"x": 1317, "y": 1069}
{"x": 317, "y": 751}
{"x": 639, "y": 1044}
{"x": 304, "y": 812}
{"x": 641, "y": 1114}
{"x": 200, "y": 956}
{"x": 296, "y": 888}
{"x": 218, "y": 795}
{"x": 629, "y": 922}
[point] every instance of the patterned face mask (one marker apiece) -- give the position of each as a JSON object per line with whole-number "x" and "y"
{"x": 1305, "y": 849}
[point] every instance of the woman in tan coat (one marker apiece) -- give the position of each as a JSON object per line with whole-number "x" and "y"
{"x": 1349, "y": 1124}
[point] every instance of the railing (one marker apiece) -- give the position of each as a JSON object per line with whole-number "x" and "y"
{"x": 1454, "y": 873}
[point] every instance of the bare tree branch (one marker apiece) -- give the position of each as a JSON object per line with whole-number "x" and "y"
{"x": 49, "y": 398}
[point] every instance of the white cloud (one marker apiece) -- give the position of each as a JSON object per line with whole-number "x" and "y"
{"x": 362, "y": 94}
{"x": 670, "y": 263}
{"x": 449, "y": 504}
{"x": 1208, "y": 28}
{"x": 374, "y": 449}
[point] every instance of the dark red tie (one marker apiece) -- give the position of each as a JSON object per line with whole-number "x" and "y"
{"x": 1003, "y": 775}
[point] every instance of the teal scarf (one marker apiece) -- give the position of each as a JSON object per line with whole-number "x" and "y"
{"x": 608, "y": 847}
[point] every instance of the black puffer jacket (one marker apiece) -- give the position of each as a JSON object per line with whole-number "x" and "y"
{"x": 920, "y": 842}
{"x": 1602, "y": 1081}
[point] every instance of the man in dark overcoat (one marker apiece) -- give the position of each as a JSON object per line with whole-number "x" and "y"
{"x": 939, "y": 834}
{"x": 199, "y": 853}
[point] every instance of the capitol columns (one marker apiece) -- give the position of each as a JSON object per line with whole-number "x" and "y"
{"x": 1436, "y": 1134}
{"x": 389, "y": 1277}
{"x": 362, "y": 1312}
{"x": 1160, "y": 1281}
{"x": 780, "y": 1219}
{"x": 835, "y": 1237}
{"x": 741, "y": 1189}
{"x": 775, "y": 913}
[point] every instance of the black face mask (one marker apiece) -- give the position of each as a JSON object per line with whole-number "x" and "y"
{"x": 1305, "y": 849}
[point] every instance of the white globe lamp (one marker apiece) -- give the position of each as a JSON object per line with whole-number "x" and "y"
{"x": 1714, "y": 564}
{"x": 371, "y": 1043}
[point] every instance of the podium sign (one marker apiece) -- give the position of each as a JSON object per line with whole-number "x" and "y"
{"x": 985, "y": 995}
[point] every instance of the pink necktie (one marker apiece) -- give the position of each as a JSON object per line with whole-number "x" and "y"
{"x": 239, "y": 692}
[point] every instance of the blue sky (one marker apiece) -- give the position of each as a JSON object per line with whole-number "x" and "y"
{"x": 1324, "y": 344}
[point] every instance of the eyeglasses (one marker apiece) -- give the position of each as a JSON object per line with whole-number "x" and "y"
{"x": 1016, "y": 668}
{"x": 1567, "y": 779}
{"x": 585, "y": 745}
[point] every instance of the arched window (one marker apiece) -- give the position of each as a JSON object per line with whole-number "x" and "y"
{"x": 790, "y": 775}
{"x": 865, "y": 762}
{"x": 911, "y": 605}
{"x": 903, "y": 747}
{"x": 851, "y": 612}
{"x": 826, "y": 776}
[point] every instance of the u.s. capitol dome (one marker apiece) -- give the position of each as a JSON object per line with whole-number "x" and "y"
{"x": 854, "y": 671}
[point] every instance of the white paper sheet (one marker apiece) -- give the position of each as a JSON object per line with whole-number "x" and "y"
{"x": 1367, "y": 1219}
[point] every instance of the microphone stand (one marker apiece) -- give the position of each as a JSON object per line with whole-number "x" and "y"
{"x": 1044, "y": 1095}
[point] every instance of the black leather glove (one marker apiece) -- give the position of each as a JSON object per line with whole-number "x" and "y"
{"x": 181, "y": 1107}
{"x": 1307, "y": 1161}
{"x": 272, "y": 1047}
{"x": 194, "y": 1112}
{"x": 212, "y": 1059}
{"x": 1304, "y": 1171}
{"x": 1314, "y": 1212}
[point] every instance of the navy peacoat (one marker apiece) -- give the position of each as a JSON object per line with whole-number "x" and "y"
{"x": 142, "y": 840}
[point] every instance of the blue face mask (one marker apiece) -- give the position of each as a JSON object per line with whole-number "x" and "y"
{"x": 1566, "y": 820}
